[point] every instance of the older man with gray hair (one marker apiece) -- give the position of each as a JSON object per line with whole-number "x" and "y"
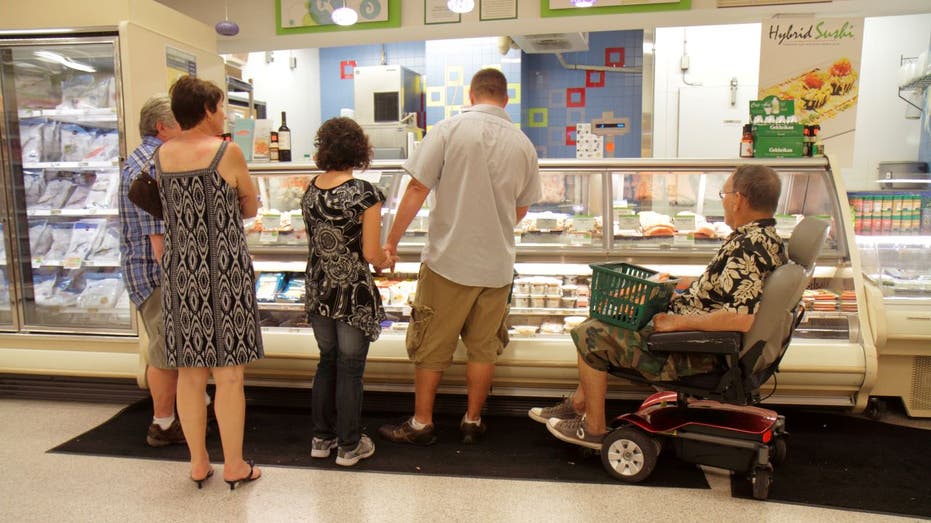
{"x": 141, "y": 246}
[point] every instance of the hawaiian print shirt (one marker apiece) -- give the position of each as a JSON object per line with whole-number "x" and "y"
{"x": 339, "y": 283}
{"x": 733, "y": 280}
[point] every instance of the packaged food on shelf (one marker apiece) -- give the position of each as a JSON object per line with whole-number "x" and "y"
{"x": 33, "y": 186}
{"x": 60, "y": 240}
{"x": 40, "y": 238}
{"x": 88, "y": 91}
{"x": 268, "y": 285}
{"x": 84, "y": 234}
{"x": 108, "y": 244}
{"x": 294, "y": 289}
{"x": 43, "y": 285}
{"x": 520, "y": 301}
{"x": 57, "y": 189}
{"x": 101, "y": 290}
{"x": 571, "y": 322}
{"x": 525, "y": 330}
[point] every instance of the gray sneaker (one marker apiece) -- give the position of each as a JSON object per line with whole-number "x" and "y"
{"x": 320, "y": 448}
{"x": 364, "y": 449}
{"x": 562, "y": 410}
{"x": 574, "y": 431}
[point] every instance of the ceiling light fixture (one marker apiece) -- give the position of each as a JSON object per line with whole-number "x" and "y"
{"x": 56, "y": 58}
{"x": 227, "y": 27}
{"x": 344, "y": 15}
{"x": 460, "y": 6}
{"x": 583, "y": 3}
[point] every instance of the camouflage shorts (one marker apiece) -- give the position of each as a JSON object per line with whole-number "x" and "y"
{"x": 603, "y": 346}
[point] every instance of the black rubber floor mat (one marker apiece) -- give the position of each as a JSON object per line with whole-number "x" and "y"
{"x": 513, "y": 448}
{"x": 852, "y": 463}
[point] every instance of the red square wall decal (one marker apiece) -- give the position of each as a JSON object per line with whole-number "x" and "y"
{"x": 594, "y": 79}
{"x": 346, "y": 68}
{"x": 614, "y": 56}
{"x": 570, "y": 135}
{"x": 575, "y": 97}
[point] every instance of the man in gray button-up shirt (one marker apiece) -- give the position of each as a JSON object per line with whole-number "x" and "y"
{"x": 484, "y": 175}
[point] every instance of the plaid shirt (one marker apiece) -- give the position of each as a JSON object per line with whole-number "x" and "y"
{"x": 141, "y": 271}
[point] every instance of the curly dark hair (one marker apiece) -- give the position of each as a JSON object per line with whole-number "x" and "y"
{"x": 341, "y": 144}
{"x": 191, "y": 98}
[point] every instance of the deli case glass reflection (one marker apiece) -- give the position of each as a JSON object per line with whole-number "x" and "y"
{"x": 60, "y": 170}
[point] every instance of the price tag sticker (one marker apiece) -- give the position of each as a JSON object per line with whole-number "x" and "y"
{"x": 683, "y": 240}
{"x": 580, "y": 238}
{"x": 268, "y": 237}
{"x": 72, "y": 262}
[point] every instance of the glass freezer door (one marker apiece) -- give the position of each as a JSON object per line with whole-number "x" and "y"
{"x": 61, "y": 161}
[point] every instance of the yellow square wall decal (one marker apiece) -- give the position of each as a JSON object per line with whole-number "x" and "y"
{"x": 514, "y": 93}
{"x": 538, "y": 117}
{"x": 436, "y": 96}
{"x": 453, "y": 75}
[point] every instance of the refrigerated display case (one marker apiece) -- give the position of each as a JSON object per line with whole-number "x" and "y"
{"x": 898, "y": 288}
{"x": 73, "y": 82}
{"x": 665, "y": 215}
{"x": 62, "y": 146}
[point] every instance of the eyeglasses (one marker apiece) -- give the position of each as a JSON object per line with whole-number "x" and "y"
{"x": 722, "y": 193}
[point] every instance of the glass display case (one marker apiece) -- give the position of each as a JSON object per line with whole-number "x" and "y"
{"x": 61, "y": 129}
{"x": 898, "y": 286}
{"x": 665, "y": 215}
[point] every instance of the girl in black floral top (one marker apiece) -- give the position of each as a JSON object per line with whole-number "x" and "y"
{"x": 343, "y": 219}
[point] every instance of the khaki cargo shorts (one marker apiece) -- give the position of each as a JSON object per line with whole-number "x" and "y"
{"x": 151, "y": 311}
{"x": 444, "y": 310}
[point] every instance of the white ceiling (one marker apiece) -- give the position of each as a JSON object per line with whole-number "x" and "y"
{"x": 256, "y": 19}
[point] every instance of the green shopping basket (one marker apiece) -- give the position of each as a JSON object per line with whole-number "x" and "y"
{"x": 623, "y": 295}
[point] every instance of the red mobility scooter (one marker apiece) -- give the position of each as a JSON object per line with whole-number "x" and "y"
{"x": 712, "y": 419}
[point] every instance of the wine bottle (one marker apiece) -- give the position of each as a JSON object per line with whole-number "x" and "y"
{"x": 284, "y": 140}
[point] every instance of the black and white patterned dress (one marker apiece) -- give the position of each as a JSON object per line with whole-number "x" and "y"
{"x": 339, "y": 283}
{"x": 208, "y": 285}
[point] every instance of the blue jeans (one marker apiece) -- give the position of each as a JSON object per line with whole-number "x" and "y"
{"x": 337, "y": 391}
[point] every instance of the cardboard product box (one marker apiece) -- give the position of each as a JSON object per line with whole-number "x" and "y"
{"x": 771, "y": 107}
{"x": 779, "y": 130}
{"x": 925, "y": 225}
{"x": 777, "y": 147}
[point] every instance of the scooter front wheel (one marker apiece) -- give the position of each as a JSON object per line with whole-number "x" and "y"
{"x": 629, "y": 454}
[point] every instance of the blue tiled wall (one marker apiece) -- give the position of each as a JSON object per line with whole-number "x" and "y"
{"x": 539, "y": 84}
{"x": 337, "y": 92}
{"x": 450, "y": 67}
{"x": 546, "y": 83}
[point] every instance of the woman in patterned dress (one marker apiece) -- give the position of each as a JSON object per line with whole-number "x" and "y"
{"x": 208, "y": 298}
{"x": 343, "y": 220}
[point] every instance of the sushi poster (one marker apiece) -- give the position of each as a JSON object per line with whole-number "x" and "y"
{"x": 816, "y": 62}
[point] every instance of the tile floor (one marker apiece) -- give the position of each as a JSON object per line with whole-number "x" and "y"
{"x": 37, "y": 486}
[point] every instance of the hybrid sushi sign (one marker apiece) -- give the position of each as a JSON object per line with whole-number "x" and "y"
{"x": 816, "y": 63}
{"x": 793, "y": 34}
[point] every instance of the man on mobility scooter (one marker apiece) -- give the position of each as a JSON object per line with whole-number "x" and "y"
{"x": 723, "y": 298}
{"x": 721, "y": 339}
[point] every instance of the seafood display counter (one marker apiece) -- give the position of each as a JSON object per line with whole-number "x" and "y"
{"x": 664, "y": 215}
